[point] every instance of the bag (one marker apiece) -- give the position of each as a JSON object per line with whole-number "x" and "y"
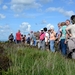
{"x": 11, "y": 37}
{"x": 42, "y": 36}
{"x": 28, "y": 39}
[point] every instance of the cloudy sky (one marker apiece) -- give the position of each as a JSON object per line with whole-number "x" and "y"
{"x": 28, "y": 15}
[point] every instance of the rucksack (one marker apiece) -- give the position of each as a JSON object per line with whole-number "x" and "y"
{"x": 42, "y": 36}
{"x": 28, "y": 39}
{"x": 11, "y": 37}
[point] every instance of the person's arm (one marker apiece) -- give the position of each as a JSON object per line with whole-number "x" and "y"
{"x": 67, "y": 30}
{"x": 47, "y": 36}
{"x": 68, "y": 34}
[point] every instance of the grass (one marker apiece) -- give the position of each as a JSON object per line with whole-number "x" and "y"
{"x": 31, "y": 61}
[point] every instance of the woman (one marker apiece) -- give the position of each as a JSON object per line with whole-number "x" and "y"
{"x": 63, "y": 38}
{"x": 52, "y": 39}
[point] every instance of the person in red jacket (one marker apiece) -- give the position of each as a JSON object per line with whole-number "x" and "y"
{"x": 18, "y": 37}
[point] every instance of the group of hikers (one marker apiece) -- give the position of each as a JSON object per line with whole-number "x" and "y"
{"x": 46, "y": 39}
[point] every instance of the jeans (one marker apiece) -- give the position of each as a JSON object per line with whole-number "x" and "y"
{"x": 18, "y": 41}
{"x": 34, "y": 43}
{"x": 52, "y": 48}
{"x": 42, "y": 44}
{"x": 63, "y": 47}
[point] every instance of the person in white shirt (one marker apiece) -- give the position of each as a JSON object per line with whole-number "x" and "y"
{"x": 46, "y": 39}
{"x": 71, "y": 40}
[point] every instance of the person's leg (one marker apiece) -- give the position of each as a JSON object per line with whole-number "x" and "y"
{"x": 63, "y": 47}
{"x": 43, "y": 45}
{"x": 52, "y": 48}
{"x": 38, "y": 44}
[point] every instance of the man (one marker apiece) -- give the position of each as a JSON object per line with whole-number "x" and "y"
{"x": 46, "y": 39}
{"x": 11, "y": 37}
{"x": 31, "y": 38}
{"x": 58, "y": 37}
{"x": 18, "y": 37}
{"x": 67, "y": 22}
{"x": 71, "y": 40}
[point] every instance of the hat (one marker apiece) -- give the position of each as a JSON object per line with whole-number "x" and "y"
{"x": 51, "y": 27}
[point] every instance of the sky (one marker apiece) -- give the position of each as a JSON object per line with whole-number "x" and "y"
{"x": 32, "y": 15}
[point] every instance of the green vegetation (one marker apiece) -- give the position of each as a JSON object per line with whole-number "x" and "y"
{"x": 27, "y": 60}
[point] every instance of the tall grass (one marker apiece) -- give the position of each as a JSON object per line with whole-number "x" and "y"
{"x": 31, "y": 61}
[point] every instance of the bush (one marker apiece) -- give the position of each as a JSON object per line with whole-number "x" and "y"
{"x": 4, "y": 60}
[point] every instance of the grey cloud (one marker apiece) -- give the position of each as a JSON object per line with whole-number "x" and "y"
{"x": 2, "y": 16}
{"x": 4, "y": 7}
{"x": 1, "y": 2}
{"x": 44, "y": 22}
{"x": 4, "y": 32}
{"x": 20, "y": 5}
{"x": 60, "y": 10}
{"x": 45, "y": 1}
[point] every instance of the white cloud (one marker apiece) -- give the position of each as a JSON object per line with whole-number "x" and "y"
{"x": 4, "y": 32}
{"x": 49, "y": 26}
{"x": 68, "y": 1}
{"x": 20, "y": 5}
{"x": 17, "y": 7}
{"x": 44, "y": 22}
{"x": 25, "y": 27}
{"x": 4, "y": 7}
{"x": 22, "y": 1}
{"x": 16, "y": 15}
{"x": 4, "y": 28}
{"x": 2, "y": 16}
{"x": 60, "y": 10}
{"x": 24, "y": 15}
{"x": 46, "y": 1}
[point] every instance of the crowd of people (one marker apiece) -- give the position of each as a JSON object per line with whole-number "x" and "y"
{"x": 46, "y": 39}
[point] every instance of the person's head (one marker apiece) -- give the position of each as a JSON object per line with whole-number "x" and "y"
{"x": 31, "y": 31}
{"x": 59, "y": 25}
{"x": 63, "y": 23}
{"x": 24, "y": 35}
{"x": 18, "y": 30}
{"x": 41, "y": 30}
{"x": 67, "y": 22}
{"x": 51, "y": 28}
{"x": 45, "y": 29}
{"x": 28, "y": 33}
{"x": 49, "y": 31}
{"x": 73, "y": 19}
{"x": 21, "y": 35}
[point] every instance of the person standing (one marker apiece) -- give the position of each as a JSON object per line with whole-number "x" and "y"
{"x": 42, "y": 40}
{"x": 63, "y": 38}
{"x": 71, "y": 40}
{"x": 52, "y": 39}
{"x": 11, "y": 37}
{"x": 18, "y": 37}
{"x": 46, "y": 39}
{"x": 58, "y": 37}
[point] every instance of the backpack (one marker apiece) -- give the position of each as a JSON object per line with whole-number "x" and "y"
{"x": 42, "y": 36}
{"x": 11, "y": 37}
{"x": 28, "y": 39}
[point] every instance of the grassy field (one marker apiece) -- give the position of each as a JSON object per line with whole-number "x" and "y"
{"x": 31, "y": 61}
